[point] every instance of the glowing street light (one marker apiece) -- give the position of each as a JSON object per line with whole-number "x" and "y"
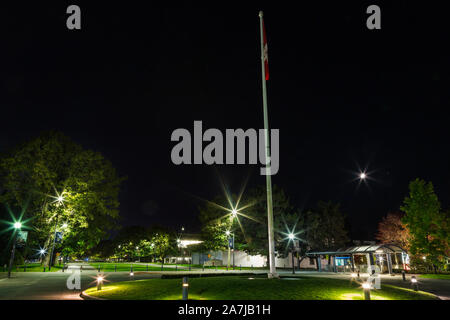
{"x": 233, "y": 213}
{"x": 291, "y": 236}
{"x": 362, "y": 176}
{"x": 17, "y": 226}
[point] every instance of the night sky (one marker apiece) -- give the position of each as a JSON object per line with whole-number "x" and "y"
{"x": 344, "y": 97}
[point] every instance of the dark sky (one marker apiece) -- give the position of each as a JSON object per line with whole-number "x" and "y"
{"x": 342, "y": 96}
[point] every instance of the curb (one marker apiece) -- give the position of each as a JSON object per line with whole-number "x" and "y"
{"x": 85, "y": 296}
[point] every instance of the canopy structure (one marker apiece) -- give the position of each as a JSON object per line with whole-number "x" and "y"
{"x": 379, "y": 248}
{"x": 374, "y": 255}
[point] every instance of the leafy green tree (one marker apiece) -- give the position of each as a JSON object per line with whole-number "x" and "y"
{"x": 326, "y": 228}
{"x": 52, "y": 165}
{"x": 428, "y": 226}
{"x": 215, "y": 222}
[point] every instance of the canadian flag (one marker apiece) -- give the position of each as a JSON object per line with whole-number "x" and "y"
{"x": 266, "y": 55}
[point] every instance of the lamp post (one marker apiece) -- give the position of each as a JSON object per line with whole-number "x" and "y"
{"x": 229, "y": 233}
{"x": 17, "y": 227}
{"x": 59, "y": 202}
{"x": 291, "y": 238}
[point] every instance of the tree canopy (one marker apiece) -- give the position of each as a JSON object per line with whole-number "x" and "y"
{"x": 67, "y": 186}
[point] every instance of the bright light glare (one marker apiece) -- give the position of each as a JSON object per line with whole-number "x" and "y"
{"x": 131, "y": 273}
{"x": 42, "y": 251}
{"x": 99, "y": 279}
{"x": 17, "y": 225}
{"x": 362, "y": 175}
{"x": 366, "y": 285}
{"x": 291, "y": 236}
{"x": 233, "y": 213}
{"x": 354, "y": 275}
{"x": 65, "y": 225}
{"x": 227, "y": 232}
{"x": 413, "y": 280}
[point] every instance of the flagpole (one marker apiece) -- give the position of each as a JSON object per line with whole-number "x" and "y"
{"x": 272, "y": 270}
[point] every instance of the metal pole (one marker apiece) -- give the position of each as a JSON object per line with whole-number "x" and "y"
{"x": 53, "y": 246}
{"x": 272, "y": 271}
{"x": 185, "y": 288}
{"x": 229, "y": 252}
{"x": 13, "y": 251}
{"x": 233, "y": 251}
{"x": 293, "y": 265}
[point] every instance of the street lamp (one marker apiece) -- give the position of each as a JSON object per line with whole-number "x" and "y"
{"x": 229, "y": 233}
{"x": 17, "y": 226}
{"x": 362, "y": 176}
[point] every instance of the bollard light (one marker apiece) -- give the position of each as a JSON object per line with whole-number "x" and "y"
{"x": 185, "y": 288}
{"x": 414, "y": 283}
{"x": 99, "y": 282}
{"x": 366, "y": 287}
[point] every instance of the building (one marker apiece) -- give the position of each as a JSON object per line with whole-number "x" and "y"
{"x": 381, "y": 258}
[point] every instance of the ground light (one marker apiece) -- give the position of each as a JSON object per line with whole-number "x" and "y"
{"x": 99, "y": 282}
{"x": 185, "y": 287}
{"x": 353, "y": 277}
{"x": 366, "y": 287}
{"x": 414, "y": 283}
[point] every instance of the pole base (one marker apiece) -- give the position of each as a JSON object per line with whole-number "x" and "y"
{"x": 273, "y": 275}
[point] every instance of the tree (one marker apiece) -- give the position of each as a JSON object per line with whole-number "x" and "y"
{"x": 250, "y": 225}
{"x": 427, "y": 225}
{"x": 391, "y": 229}
{"x": 214, "y": 223}
{"x": 51, "y": 165}
{"x": 325, "y": 227}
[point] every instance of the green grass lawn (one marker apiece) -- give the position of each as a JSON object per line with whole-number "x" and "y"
{"x": 435, "y": 276}
{"x": 33, "y": 267}
{"x": 258, "y": 288}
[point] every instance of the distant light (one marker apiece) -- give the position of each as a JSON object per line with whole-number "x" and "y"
{"x": 424, "y": 258}
{"x": 131, "y": 273}
{"x": 100, "y": 279}
{"x": 354, "y": 275}
{"x": 137, "y": 248}
{"x": 17, "y": 225}
{"x": 227, "y": 232}
{"x": 413, "y": 280}
{"x": 251, "y": 278}
{"x": 60, "y": 199}
{"x": 185, "y": 284}
{"x": 291, "y": 236}
{"x": 182, "y": 228}
{"x": 362, "y": 175}
{"x": 65, "y": 225}
{"x": 366, "y": 285}
{"x": 233, "y": 213}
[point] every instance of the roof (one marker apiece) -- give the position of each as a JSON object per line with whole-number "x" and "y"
{"x": 379, "y": 248}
